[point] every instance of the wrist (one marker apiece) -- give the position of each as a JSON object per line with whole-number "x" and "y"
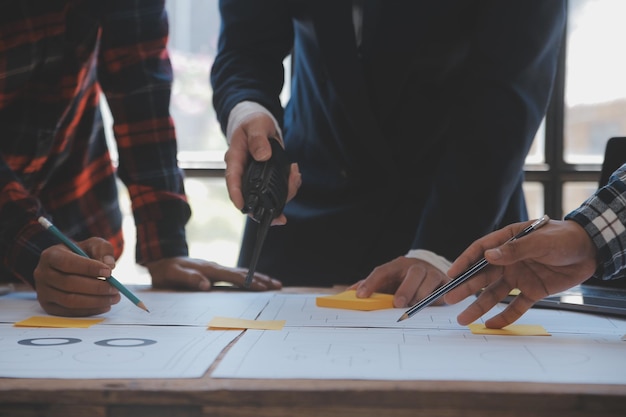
{"x": 432, "y": 258}
{"x": 243, "y": 112}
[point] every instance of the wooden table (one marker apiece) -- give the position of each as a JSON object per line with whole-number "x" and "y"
{"x": 226, "y": 397}
{"x": 300, "y": 398}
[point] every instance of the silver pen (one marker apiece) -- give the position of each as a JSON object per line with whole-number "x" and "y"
{"x": 470, "y": 272}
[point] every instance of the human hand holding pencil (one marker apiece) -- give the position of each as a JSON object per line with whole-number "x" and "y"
{"x": 70, "y": 277}
{"x": 559, "y": 256}
{"x": 470, "y": 272}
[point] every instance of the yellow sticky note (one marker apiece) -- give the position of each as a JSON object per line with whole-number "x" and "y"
{"x": 510, "y": 330}
{"x": 228, "y": 323}
{"x": 348, "y": 300}
{"x": 61, "y": 322}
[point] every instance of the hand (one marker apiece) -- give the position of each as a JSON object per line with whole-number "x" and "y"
{"x": 184, "y": 273}
{"x": 411, "y": 279}
{"x": 551, "y": 259}
{"x": 251, "y": 138}
{"x": 67, "y": 284}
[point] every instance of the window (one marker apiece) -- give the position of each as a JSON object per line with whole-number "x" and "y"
{"x": 595, "y": 89}
{"x": 588, "y": 106}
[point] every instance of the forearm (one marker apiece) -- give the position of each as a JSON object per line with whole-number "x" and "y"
{"x": 255, "y": 39}
{"x": 603, "y": 216}
{"x": 148, "y": 166}
{"x": 136, "y": 76}
{"x": 22, "y": 239}
{"x": 244, "y": 111}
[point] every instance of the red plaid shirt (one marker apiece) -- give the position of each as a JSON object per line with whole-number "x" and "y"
{"x": 56, "y": 57}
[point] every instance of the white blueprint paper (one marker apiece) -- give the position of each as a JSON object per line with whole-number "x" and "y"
{"x": 110, "y": 351}
{"x": 322, "y": 343}
{"x": 408, "y": 354}
{"x": 166, "y": 308}
{"x": 172, "y": 341}
{"x": 299, "y": 310}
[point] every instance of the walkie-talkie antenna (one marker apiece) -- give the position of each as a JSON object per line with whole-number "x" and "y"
{"x": 264, "y": 227}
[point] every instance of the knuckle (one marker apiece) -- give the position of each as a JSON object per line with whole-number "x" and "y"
{"x": 511, "y": 249}
{"x": 51, "y": 255}
{"x": 416, "y": 270}
{"x": 68, "y": 300}
{"x": 489, "y": 297}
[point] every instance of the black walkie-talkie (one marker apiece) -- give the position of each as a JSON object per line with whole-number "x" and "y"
{"x": 265, "y": 187}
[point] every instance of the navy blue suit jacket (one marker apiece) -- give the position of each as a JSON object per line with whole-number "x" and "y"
{"x": 415, "y": 138}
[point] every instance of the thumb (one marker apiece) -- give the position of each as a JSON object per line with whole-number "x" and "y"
{"x": 507, "y": 254}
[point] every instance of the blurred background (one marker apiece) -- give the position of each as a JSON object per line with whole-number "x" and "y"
{"x": 562, "y": 168}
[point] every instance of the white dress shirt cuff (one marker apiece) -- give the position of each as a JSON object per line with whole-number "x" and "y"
{"x": 432, "y": 258}
{"x": 244, "y": 111}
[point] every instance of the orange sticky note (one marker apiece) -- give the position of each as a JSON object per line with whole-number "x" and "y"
{"x": 348, "y": 300}
{"x": 510, "y": 330}
{"x": 60, "y": 322}
{"x": 228, "y": 323}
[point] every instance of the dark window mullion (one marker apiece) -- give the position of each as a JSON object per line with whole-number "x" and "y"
{"x": 554, "y": 141}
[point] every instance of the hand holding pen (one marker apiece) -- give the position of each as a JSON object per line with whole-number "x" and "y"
{"x": 70, "y": 285}
{"x": 555, "y": 258}
{"x": 470, "y": 272}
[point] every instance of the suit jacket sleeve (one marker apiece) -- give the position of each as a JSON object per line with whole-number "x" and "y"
{"x": 255, "y": 38}
{"x": 603, "y": 216}
{"x": 500, "y": 105}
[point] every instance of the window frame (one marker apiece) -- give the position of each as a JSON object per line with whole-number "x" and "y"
{"x": 555, "y": 172}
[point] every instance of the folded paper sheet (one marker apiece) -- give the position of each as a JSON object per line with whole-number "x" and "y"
{"x": 348, "y": 300}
